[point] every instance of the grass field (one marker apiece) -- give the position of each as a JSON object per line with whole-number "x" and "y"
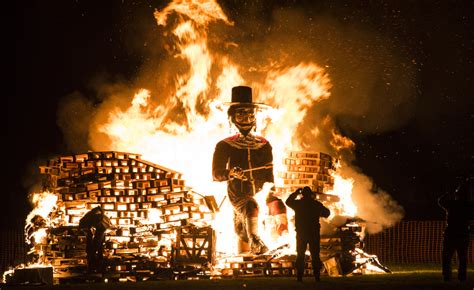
{"x": 424, "y": 276}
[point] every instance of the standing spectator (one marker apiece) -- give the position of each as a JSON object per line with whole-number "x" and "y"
{"x": 307, "y": 214}
{"x": 456, "y": 233}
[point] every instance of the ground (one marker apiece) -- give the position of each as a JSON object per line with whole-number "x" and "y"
{"x": 403, "y": 277}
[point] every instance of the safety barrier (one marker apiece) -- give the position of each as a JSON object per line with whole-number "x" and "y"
{"x": 411, "y": 242}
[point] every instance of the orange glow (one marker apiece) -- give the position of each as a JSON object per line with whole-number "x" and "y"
{"x": 340, "y": 142}
{"x": 188, "y": 147}
{"x": 161, "y": 136}
{"x": 43, "y": 205}
{"x": 343, "y": 189}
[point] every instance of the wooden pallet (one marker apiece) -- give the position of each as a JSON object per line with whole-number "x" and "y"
{"x": 194, "y": 246}
{"x": 311, "y": 169}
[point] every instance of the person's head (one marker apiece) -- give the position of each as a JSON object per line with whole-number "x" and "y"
{"x": 97, "y": 210}
{"x": 242, "y": 110}
{"x": 307, "y": 192}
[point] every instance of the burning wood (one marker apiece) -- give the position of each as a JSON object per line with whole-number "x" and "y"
{"x": 159, "y": 223}
{"x": 311, "y": 169}
{"x": 146, "y": 204}
{"x": 341, "y": 247}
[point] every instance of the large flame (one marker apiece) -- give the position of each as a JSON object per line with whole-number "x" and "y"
{"x": 181, "y": 131}
{"x": 187, "y": 146}
{"x": 43, "y": 205}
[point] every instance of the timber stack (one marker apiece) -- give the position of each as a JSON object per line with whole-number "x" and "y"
{"x": 160, "y": 227}
{"x": 341, "y": 249}
{"x": 156, "y": 219}
{"x": 311, "y": 169}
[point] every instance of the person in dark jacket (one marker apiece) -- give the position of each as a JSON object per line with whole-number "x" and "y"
{"x": 307, "y": 214}
{"x": 456, "y": 234}
{"x": 95, "y": 223}
{"x": 244, "y": 161}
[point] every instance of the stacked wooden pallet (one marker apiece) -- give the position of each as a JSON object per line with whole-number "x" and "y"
{"x": 336, "y": 256}
{"x": 160, "y": 225}
{"x": 195, "y": 246}
{"x": 311, "y": 169}
{"x": 314, "y": 169}
{"x": 284, "y": 266}
{"x": 242, "y": 266}
{"x": 249, "y": 266}
{"x": 148, "y": 205}
{"x": 339, "y": 250}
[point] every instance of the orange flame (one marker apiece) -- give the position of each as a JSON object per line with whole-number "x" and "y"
{"x": 148, "y": 129}
{"x": 188, "y": 147}
{"x": 43, "y": 205}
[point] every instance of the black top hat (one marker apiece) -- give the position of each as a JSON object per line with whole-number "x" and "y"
{"x": 242, "y": 96}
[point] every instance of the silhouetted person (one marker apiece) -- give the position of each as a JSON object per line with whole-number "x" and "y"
{"x": 95, "y": 223}
{"x": 307, "y": 214}
{"x": 456, "y": 234}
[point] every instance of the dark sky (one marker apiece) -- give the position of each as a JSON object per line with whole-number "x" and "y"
{"x": 61, "y": 46}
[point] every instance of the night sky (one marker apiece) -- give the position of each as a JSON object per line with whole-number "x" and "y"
{"x": 61, "y": 47}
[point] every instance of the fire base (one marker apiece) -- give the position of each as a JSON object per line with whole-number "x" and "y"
{"x": 178, "y": 244}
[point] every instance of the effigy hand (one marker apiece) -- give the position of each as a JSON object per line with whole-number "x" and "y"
{"x": 236, "y": 172}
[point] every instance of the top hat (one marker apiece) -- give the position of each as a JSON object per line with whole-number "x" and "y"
{"x": 242, "y": 97}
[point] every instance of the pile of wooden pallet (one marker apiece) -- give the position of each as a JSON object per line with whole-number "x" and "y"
{"x": 337, "y": 252}
{"x": 284, "y": 266}
{"x": 152, "y": 212}
{"x": 161, "y": 227}
{"x": 311, "y": 169}
{"x": 251, "y": 266}
{"x": 314, "y": 169}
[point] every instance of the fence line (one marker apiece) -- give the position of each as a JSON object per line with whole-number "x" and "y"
{"x": 12, "y": 248}
{"x": 411, "y": 242}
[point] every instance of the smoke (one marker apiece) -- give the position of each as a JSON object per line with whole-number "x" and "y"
{"x": 373, "y": 83}
{"x": 74, "y": 113}
{"x": 80, "y": 115}
{"x": 373, "y": 90}
{"x": 374, "y": 205}
{"x": 373, "y": 86}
